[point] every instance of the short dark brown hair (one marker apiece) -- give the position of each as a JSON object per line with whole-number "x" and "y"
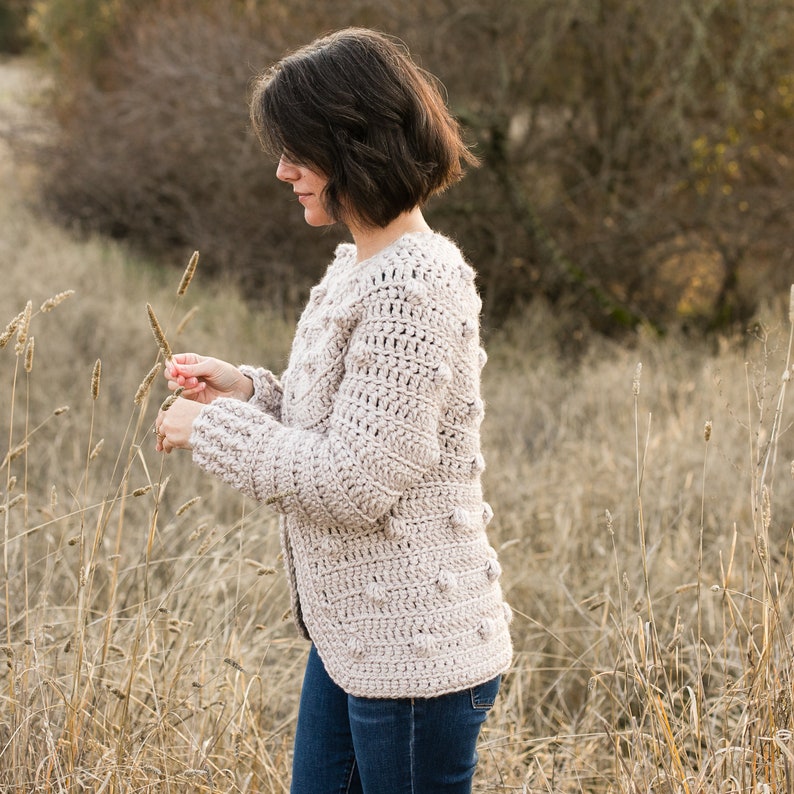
{"x": 354, "y": 107}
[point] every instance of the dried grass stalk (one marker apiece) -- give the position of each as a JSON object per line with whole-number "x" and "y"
{"x": 159, "y": 336}
{"x": 635, "y": 386}
{"x": 146, "y": 383}
{"x": 277, "y": 497}
{"x": 29, "y": 349}
{"x": 97, "y": 449}
{"x": 14, "y": 453}
{"x": 187, "y": 505}
{"x": 23, "y": 328}
{"x": 95, "y": 378}
{"x": 187, "y": 276}
{"x": 185, "y": 320}
{"x": 10, "y": 330}
{"x": 171, "y": 399}
{"x": 12, "y": 504}
{"x": 52, "y": 302}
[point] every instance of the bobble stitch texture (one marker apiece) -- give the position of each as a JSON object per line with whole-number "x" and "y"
{"x": 415, "y": 293}
{"x": 478, "y": 464}
{"x": 395, "y": 528}
{"x": 377, "y": 593}
{"x": 331, "y": 545}
{"x": 469, "y": 328}
{"x": 373, "y": 437}
{"x": 493, "y": 570}
{"x": 443, "y": 374}
{"x": 424, "y": 645}
{"x": 486, "y": 629}
{"x": 460, "y": 519}
{"x": 357, "y": 647}
{"x": 446, "y": 581}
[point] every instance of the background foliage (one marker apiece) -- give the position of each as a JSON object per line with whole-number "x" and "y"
{"x": 13, "y": 29}
{"x": 636, "y": 156}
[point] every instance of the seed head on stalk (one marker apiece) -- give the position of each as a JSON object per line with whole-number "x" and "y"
{"x": 146, "y": 384}
{"x": 10, "y": 329}
{"x": 52, "y": 302}
{"x": 29, "y": 348}
{"x": 171, "y": 399}
{"x": 95, "y": 378}
{"x": 188, "y": 274}
{"x": 159, "y": 336}
{"x": 635, "y": 386}
{"x": 22, "y": 329}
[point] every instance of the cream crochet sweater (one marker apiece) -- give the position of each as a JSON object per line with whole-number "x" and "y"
{"x": 370, "y": 442}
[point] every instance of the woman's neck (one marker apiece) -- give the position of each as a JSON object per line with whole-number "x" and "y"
{"x": 370, "y": 241}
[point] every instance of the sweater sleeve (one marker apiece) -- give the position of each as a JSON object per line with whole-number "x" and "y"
{"x": 267, "y": 389}
{"x": 381, "y": 434}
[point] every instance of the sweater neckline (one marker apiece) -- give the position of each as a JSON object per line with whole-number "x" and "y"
{"x": 350, "y": 248}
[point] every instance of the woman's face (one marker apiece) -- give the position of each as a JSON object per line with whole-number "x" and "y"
{"x": 308, "y": 185}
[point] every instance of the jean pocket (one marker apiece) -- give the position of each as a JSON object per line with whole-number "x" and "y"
{"x": 484, "y": 695}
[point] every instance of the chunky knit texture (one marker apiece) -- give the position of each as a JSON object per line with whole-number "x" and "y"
{"x": 371, "y": 444}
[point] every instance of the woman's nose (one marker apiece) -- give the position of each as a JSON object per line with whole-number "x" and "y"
{"x": 286, "y": 171}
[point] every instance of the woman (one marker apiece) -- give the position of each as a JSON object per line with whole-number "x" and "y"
{"x": 369, "y": 443}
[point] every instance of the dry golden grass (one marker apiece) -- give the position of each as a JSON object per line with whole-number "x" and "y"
{"x": 643, "y": 518}
{"x": 646, "y": 534}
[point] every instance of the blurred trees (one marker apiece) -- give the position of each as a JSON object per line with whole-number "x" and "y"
{"x": 13, "y": 32}
{"x": 640, "y": 151}
{"x": 636, "y": 154}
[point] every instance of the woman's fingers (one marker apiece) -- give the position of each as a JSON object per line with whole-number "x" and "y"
{"x": 188, "y": 384}
{"x": 204, "y": 378}
{"x": 184, "y": 371}
{"x": 173, "y": 427}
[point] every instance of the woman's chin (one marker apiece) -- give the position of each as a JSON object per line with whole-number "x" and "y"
{"x": 317, "y": 219}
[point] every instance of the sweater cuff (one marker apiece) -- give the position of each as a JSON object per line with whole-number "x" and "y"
{"x": 267, "y": 389}
{"x": 224, "y": 441}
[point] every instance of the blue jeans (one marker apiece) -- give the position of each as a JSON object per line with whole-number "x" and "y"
{"x": 353, "y": 745}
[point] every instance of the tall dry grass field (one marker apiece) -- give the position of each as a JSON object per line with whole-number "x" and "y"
{"x": 643, "y": 517}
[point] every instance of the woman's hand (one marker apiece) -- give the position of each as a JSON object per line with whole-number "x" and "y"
{"x": 205, "y": 379}
{"x": 174, "y": 425}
